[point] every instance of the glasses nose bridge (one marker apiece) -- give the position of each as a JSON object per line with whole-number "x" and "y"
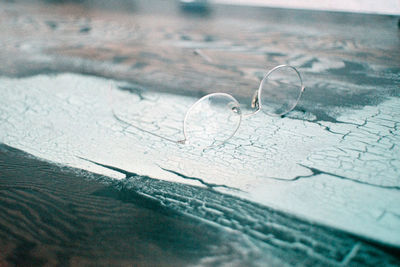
{"x": 255, "y": 101}
{"x": 255, "y": 104}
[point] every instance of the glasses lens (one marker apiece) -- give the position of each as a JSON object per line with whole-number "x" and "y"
{"x": 212, "y": 120}
{"x": 280, "y": 90}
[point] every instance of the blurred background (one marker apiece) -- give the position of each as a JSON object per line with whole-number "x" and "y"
{"x": 391, "y": 7}
{"x": 362, "y": 6}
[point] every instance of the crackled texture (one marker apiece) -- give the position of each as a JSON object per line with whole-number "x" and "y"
{"x": 262, "y": 162}
{"x": 181, "y": 224}
{"x": 334, "y": 160}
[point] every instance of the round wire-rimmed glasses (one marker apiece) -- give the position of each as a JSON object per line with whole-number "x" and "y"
{"x": 215, "y": 118}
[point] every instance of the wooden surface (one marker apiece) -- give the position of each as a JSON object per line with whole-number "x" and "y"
{"x": 53, "y": 215}
{"x": 328, "y": 174}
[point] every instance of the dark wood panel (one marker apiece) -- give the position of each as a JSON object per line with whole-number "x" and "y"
{"x": 57, "y": 215}
{"x": 49, "y": 215}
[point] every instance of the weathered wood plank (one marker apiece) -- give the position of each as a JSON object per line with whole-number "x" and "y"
{"x": 49, "y": 215}
{"x": 58, "y": 215}
{"x": 333, "y": 161}
{"x": 339, "y": 174}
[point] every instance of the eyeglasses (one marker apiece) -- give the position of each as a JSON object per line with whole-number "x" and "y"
{"x": 215, "y": 118}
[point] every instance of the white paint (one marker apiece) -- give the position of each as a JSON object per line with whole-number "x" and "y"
{"x": 63, "y": 117}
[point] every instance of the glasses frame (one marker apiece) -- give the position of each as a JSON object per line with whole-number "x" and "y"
{"x": 235, "y": 109}
{"x": 255, "y": 103}
{"x": 257, "y": 97}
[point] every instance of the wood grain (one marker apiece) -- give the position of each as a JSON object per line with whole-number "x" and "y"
{"x": 153, "y": 44}
{"x": 55, "y": 215}
{"x": 51, "y": 216}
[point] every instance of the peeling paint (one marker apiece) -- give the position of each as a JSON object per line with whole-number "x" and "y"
{"x": 351, "y": 165}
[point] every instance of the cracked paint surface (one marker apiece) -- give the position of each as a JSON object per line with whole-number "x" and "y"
{"x": 342, "y": 173}
{"x": 251, "y": 234}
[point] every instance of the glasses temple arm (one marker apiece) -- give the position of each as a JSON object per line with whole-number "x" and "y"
{"x": 183, "y": 141}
